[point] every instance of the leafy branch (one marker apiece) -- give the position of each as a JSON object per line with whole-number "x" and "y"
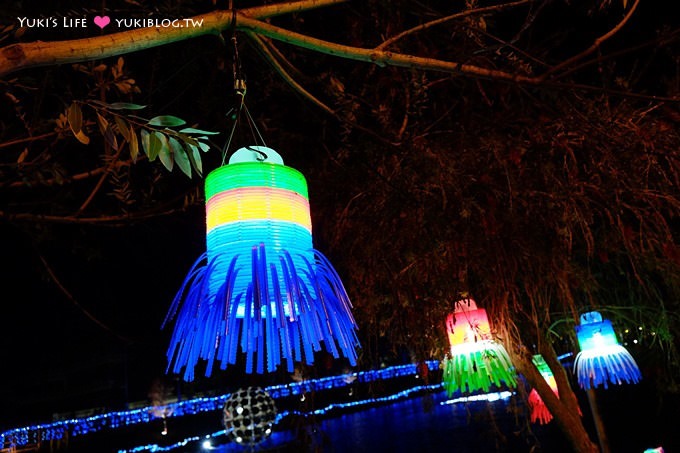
{"x": 157, "y": 137}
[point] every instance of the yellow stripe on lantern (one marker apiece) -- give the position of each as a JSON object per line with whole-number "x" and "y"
{"x": 468, "y": 327}
{"x": 257, "y": 203}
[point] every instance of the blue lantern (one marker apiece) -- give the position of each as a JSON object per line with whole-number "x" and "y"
{"x": 602, "y": 359}
{"x": 260, "y": 286}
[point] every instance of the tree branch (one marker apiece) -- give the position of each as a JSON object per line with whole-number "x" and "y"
{"x": 284, "y": 74}
{"x": 109, "y": 220}
{"x": 28, "y": 139}
{"x": 21, "y": 56}
{"x": 76, "y": 177}
{"x": 597, "y": 42}
{"x": 469, "y": 12}
{"x": 100, "y": 183}
{"x": 73, "y": 300}
{"x": 30, "y": 55}
{"x": 378, "y": 57}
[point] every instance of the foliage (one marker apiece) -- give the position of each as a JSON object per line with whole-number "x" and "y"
{"x": 157, "y": 139}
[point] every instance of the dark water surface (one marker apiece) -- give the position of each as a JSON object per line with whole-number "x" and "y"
{"x": 419, "y": 424}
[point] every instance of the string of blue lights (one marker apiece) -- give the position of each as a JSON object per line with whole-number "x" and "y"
{"x": 35, "y": 434}
{"x": 492, "y": 396}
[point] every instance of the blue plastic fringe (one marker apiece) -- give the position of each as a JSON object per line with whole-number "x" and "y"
{"x": 275, "y": 324}
{"x": 608, "y": 364}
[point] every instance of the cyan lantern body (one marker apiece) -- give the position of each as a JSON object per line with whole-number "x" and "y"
{"x": 476, "y": 361}
{"x": 260, "y": 287}
{"x": 602, "y": 360}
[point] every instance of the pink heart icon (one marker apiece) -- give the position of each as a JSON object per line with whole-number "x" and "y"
{"x": 102, "y": 22}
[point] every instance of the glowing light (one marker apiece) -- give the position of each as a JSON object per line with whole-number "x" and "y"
{"x": 35, "y": 434}
{"x": 206, "y": 444}
{"x": 492, "y": 396}
{"x": 539, "y": 411}
{"x": 477, "y": 361}
{"x": 602, "y": 360}
{"x": 260, "y": 287}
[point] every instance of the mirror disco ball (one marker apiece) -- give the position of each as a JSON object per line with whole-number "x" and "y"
{"x": 248, "y": 415}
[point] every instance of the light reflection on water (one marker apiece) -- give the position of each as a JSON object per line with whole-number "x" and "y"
{"x": 419, "y": 424}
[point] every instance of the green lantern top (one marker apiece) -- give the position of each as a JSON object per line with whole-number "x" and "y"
{"x": 248, "y": 168}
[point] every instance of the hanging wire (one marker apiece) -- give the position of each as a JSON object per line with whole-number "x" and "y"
{"x": 240, "y": 90}
{"x": 253, "y": 126}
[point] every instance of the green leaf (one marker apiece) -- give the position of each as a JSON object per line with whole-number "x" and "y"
{"x": 195, "y": 157}
{"x": 151, "y": 144}
{"x": 123, "y": 128}
{"x": 204, "y": 146}
{"x": 164, "y": 153}
{"x": 134, "y": 145}
{"x": 186, "y": 139}
{"x": 125, "y": 106}
{"x": 75, "y": 118}
{"x": 166, "y": 121}
{"x": 180, "y": 156}
{"x": 191, "y": 130}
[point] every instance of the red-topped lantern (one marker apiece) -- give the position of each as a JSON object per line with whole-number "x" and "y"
{"x": 477, "y": 361}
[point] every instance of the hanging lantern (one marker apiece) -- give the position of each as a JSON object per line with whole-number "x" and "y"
{"x": 260, "y": 286}
{"x": 476, "y": 361}
{"x": 539, "y": 411}
{"x": 602, "y": 359}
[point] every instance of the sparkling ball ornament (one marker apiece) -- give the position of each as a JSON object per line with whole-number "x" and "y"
{"x": 248, "y": 415}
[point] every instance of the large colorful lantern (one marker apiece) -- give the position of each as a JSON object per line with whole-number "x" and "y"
{"x": 476, "y": 361}
{"x": 602, "y": 359}
{"x": 260, "y": 286}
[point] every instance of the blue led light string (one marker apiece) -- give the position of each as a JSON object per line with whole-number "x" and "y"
{"x": 493, "y": 396}
{"x": 81, "y": 426}
{"x": 280, "y": 416}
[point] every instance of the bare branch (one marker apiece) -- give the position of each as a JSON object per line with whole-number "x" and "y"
{"x": 100, "y": 183}
{"x": 286, "y": 77}
{"x": 597, "y": 42}
{"x": 76, "y": 177}
{"x": 101, "y": 220}
{"x": 469, "y": 12}
{"x": 28, "y": 139}
{"x": 378, "y": 57}
{"x": 73, "y": 300}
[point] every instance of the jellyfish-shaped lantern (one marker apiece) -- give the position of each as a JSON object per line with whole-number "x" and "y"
{"x": 539, "y": 412}
{"x": 602, "y": 359}
{"x": 476, "y": 361}
{"x": 260, "y": 286}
